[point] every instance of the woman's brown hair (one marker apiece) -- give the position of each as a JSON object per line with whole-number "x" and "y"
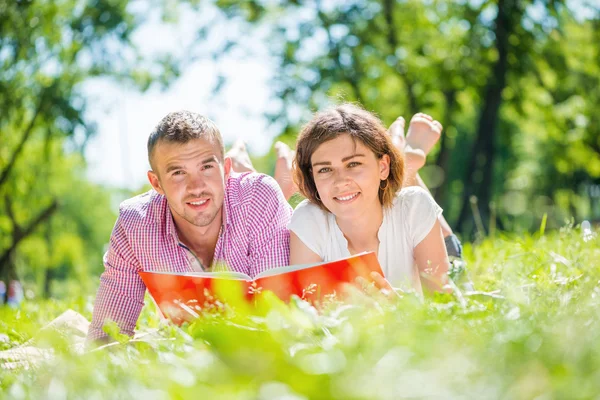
{"x": 361, "y": 125}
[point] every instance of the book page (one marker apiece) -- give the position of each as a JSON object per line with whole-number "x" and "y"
{"x": 283, "y": 270}
{"x": 239, "y": 276}
{"x": 297, "y": 267}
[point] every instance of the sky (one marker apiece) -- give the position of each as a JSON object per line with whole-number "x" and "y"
{"x": 125, "y": 117}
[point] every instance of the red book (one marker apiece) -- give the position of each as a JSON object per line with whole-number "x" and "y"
{"x": 181, "y": 296}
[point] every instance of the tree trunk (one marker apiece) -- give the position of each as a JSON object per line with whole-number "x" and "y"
{"x": 483, "y": 148}
{"x": 47, "y": 281}
{"x": 26, "y": 134}
{"x": 388, "y": 10}
{"x": 7, "y": 267}
{"x": 443, "y": 158}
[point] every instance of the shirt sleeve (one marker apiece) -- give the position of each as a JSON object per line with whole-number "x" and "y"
{"x": 268, "y": 217}
{"x": 420, "y": 212}
{"x": 309, "y": 223}
{"x": 120, "y": 297}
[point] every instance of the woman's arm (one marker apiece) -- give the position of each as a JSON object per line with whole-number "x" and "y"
{"x": 432, "y": 260}
{"x": 300, "y": 253}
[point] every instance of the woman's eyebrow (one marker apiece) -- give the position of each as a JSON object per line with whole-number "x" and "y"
{"x": 352, "y": 156}
{"x": 343, "y": 160}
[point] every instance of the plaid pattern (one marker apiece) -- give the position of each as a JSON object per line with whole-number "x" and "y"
{"x": 254, "y": 238}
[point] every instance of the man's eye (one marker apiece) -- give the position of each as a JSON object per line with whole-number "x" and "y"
{"x": 324, "y": 170}
{"x": 207, "y": 166}
{"x": 178, "y": 173}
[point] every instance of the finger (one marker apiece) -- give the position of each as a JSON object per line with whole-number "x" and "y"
{"x": 367, "y": 287}
{"x": 380, "y": 281}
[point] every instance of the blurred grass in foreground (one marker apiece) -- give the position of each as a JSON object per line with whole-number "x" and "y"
{"x": 539, "y": 341}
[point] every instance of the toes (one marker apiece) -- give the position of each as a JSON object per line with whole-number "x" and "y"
{"x": 437, "y": 127}
{"x": 284, "y": 152}
{"x": 239, "y": 157}
{"x": 401, "y": 122}
{"x": 397, "y": 127}
{"x": 421, "y": 116}
{"x": 281, "y": 149}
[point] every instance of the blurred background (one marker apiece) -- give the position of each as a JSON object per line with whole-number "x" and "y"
{"x": 516, "y": 84}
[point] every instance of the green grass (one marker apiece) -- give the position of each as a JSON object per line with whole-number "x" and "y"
{"x": 542, "y": 340}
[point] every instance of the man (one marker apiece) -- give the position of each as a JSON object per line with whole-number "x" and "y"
{"x": 200, "y": 216}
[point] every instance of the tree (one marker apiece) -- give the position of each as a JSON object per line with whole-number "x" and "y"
{"x": 475, "y": 65}
{"x": 47, "y": 49}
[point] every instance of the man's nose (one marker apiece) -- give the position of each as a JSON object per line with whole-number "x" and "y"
{"x": 195, "y": 182}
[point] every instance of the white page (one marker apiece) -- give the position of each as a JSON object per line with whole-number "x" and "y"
{"x": 240, "y": 276}
{"x": 297, "y": 267}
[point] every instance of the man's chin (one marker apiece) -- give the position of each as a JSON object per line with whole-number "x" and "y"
{"x": 202, "y": 221}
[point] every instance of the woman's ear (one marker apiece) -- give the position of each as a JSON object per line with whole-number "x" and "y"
{"x": 384, "y": 167}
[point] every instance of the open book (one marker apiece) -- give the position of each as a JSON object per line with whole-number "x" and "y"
{"x": 180, "y": 296}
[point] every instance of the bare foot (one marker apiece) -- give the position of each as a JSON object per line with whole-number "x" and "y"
{"x": 423, "y": 132}
{"x": 283, "y": 169}
{"x": 414, "y": 158}
{"x": 396, "y": 131}
{"x": 240, "y": 160}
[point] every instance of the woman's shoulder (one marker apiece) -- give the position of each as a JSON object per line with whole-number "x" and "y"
{"x": 310, "y": 223}
{"x": 308, "y": 211}
{"x": 412, "y": 192}
{"x": 411, "y": 197}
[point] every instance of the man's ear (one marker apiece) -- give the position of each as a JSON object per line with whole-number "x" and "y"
{"x": 153, "y": 179}
{"x": 227, "y": 167}
{"x": 384, "y": 167}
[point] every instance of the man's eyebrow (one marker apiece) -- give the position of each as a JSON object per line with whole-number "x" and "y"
{"x": 173, "y": 167}
{"x": 210, "y": 159}
{"x": 207, "y": 160}
{"x": 343, "y": 160}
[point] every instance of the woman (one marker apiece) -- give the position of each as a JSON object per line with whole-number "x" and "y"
{"x": 351, "y": 175}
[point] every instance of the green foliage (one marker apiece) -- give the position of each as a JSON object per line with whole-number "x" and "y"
{"x": 53, "y": 222}
{"x": 531, "y": 332}
{"x": 517, "y": 100}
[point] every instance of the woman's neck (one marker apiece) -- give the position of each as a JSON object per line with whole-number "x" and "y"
{"x": 361, "y": 231}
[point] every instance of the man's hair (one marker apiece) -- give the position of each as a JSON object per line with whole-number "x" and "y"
{"x": 361, "y": 125}
{"x": 183, "y": 126}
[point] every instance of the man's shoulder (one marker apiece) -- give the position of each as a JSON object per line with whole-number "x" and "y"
{"x": 252, "y": 187}
{"x": 145, "y": 208}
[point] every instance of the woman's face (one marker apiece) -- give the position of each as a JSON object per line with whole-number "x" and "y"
{"x": 347, "y": 175}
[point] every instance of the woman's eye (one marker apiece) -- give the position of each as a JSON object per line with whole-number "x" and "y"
{"x": 353, "y": 164}
{"x": 324, "y": 170}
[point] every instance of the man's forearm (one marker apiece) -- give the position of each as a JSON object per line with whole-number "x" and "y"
{"x": 119, "y": 300}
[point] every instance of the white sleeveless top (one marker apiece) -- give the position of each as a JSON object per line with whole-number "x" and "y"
{"x": 404, "y": 226}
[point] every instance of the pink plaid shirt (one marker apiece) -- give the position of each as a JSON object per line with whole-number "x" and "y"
{"x": 254, "y": 237}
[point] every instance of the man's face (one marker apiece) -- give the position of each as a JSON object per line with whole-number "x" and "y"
{"x": 192, "y": 177}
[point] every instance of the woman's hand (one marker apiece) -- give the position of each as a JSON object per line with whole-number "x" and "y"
{"x": 378, "y": 287}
